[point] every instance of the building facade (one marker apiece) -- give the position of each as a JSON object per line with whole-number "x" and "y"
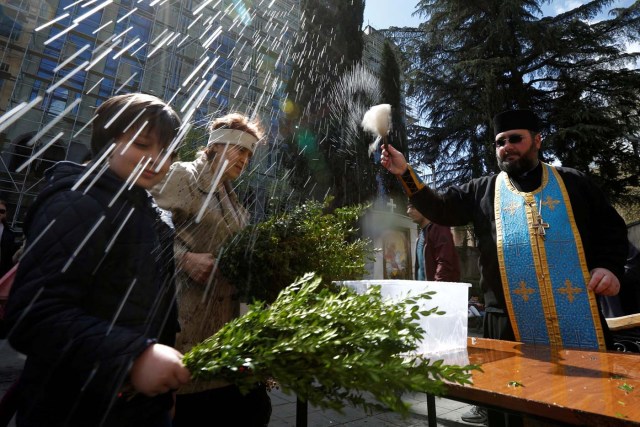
{"x": 60, "y": 59}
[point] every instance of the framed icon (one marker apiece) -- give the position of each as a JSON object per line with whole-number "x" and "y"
{"x": 396, "y": 259}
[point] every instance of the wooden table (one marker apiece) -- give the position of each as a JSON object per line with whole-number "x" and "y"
{"x": 571, "y": 386}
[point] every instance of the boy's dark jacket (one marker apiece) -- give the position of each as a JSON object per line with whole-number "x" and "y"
{"x": 8, "y": 247}
{"x": 93, "y": 290}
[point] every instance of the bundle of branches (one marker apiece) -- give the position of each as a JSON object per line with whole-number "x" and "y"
{"x": 330, "y": 346}
{"x": 263, "y": 259}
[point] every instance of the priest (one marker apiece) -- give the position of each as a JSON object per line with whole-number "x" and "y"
{"x": 549, "y": 239}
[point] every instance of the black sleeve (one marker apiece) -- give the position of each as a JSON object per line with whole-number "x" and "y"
{"x": 453, "y": 207}
{"x": 602, "y": 229}
{"x": 46, "y": 311}
{"x": 610, "y": 244}
{"x": 630, "y": 285}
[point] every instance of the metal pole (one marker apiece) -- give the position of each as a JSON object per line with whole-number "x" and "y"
{"x": 301, "y": 412}
{"x": 431, "y": 410}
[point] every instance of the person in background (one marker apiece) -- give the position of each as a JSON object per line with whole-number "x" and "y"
{"x": 8, "y": 244}
{"x": 529, "y": 219}
{"x": 93, "y": 303}
{"x": 476, "y": 312}
{"x": 436, "y": 255}
{"x": 9, "y": 400}
{"x": 207, "y": 213}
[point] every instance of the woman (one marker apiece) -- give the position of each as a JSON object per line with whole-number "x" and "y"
{"x": 206, "y": 213}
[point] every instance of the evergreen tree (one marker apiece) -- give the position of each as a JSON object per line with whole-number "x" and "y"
{"x": 475, "y": 59}
{"x": 325, "y": 157}
{"x": 391, "y": 93}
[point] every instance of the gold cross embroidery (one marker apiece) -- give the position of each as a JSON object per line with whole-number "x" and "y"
{"x": 550, "y": 202}
{"x": 569, "y": 290}
{"x": 523, "y": 291}
{"x": 512, "y": 208}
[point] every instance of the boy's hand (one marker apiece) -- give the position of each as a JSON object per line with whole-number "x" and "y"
{"x": 157, "y": 370}
{"x": 198, "y": 266}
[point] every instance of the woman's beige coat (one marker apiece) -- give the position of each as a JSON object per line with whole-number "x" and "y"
{"x": 203, "y": 309}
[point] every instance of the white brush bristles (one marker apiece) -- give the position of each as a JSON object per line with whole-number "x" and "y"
{"x": 373, "y": 147}
{"x": 377, "y": 119}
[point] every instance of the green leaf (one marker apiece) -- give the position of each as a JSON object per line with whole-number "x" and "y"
{"x": 263, "y": 259}
{"x": 328, "y": 345}
{"x": 626, "y": 387}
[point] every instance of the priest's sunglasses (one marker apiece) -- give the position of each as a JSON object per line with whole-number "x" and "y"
{"x": 513, "y": 139}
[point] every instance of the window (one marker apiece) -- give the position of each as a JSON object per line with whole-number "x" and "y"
{"x": 9, "y": 25}
{"x": 57, "y": 101}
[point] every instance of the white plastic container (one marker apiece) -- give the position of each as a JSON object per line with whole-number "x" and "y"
{"x": 443, "y": 333}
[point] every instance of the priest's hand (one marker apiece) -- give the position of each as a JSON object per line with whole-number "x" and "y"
{"x": 393, "y": 160}
{"x": 603, "y": 282}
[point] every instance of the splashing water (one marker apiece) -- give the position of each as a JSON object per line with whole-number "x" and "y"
{"x": 355, "y": 90}
{"x": 213, "y": 81}
{"x": 226, "y": 59}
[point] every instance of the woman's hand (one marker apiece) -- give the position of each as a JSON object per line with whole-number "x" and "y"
{"x": 198, "y": 266}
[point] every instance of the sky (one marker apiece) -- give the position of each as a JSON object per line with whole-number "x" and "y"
{"x": 389, "y": 13}
{"x": 386, "y": 13}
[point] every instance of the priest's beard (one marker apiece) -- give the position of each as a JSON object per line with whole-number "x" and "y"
{"x": 526, "y": 162}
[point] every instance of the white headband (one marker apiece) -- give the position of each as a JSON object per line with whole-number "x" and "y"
{"x": 233, "y": 137}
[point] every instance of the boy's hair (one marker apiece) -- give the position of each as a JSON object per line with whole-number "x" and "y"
{"x": 141, "y": 107}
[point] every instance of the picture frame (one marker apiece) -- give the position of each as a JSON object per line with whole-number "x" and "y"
{"x": 396, "y": 255}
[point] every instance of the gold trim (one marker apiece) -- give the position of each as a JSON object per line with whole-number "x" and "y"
{"x": 540, "y": 259}
{"x": 513, "y": 189}
{"x": 412, "y": 183}
{"x": 501, "y": 261}
{"x": 593, "y": 304}
{"x": 540, "y": 262}
{"x": 543, "y": 274}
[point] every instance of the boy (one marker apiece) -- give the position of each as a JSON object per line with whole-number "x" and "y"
{"x": 93, "y": 304}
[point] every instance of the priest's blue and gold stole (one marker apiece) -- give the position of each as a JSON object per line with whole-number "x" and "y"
{"x": 542, "y": 265}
